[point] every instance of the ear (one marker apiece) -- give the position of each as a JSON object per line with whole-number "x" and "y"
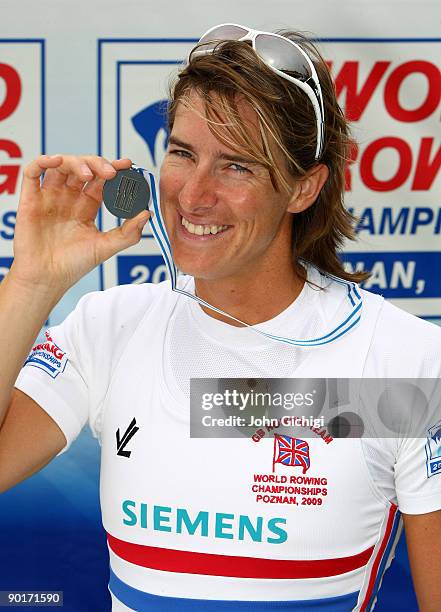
{"x": 307, "y": 189}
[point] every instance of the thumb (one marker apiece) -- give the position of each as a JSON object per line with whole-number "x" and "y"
{"x": 127, "y": 235}
{"x": 131, "y": 229}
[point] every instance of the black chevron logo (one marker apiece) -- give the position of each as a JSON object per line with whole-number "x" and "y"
{"x": 121, "y": 443}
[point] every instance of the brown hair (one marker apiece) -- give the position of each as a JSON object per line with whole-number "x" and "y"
{"x": 286, "y": 115}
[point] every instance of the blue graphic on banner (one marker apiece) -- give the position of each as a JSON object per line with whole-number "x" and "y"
{"x": 5, "y": 264}
{"x": 404, "y": 221}
{"x": 140, "y": 269}
{"x": 399, "y": 275}
{"x": 149, "y": 122}
{"x": 7, "y": 224}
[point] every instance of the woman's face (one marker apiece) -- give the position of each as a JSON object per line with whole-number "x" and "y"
{"x": 223, "y": 216}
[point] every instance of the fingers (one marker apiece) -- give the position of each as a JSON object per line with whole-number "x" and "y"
{"x": 120, "y": 238}
{"x": 34, "y": 170}
{"x": 73, "y": 171}
{"x": 129, "y": 233}
{"x": 122, "y": 164}
{"x": 94, "y": 188}
{"x": 84, "y": 175}
{"x": 75, "y": 183}
{"x": 76, "y": 171}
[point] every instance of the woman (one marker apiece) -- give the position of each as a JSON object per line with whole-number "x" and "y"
{"x": 252, "y": 199}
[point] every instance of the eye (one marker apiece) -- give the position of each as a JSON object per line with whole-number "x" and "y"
{"x": 239, "y": 169}
{"x": 180, "y": 153}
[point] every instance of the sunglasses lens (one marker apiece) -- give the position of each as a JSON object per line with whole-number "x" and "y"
{"x": 225, "y": 32}
{"x": 283, "y": 55}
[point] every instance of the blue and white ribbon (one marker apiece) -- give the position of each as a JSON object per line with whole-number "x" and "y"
{"x": 160, "y": 234}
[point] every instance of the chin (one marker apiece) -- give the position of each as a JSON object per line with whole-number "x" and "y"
{"x": 200, "y": 270}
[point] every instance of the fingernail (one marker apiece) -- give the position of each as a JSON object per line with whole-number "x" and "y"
{"x": 85, "y": 170}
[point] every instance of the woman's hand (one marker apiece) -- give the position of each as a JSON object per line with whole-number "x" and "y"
{"x": 56, "y": 240}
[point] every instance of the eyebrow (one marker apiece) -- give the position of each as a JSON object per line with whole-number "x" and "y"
{"x": 220, "y": 155}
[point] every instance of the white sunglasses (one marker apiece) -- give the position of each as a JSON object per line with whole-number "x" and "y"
{"x": 280, "y": 54}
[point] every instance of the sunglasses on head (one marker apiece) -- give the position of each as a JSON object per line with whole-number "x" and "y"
{"x": 281, "y": 55}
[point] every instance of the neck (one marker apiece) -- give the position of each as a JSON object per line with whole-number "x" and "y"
{"x": 252, "y": 298}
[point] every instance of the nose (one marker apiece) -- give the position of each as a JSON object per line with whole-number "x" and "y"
{"x": 198, "y": 194}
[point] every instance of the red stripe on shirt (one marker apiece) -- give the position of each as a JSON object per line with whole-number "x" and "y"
{"x": 187, "y": 562}
{"x": 390, "y": 521}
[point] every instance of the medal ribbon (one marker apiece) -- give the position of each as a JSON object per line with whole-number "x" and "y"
{"x": 158, "y": 228}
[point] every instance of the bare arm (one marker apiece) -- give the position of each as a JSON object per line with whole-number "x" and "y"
{"x": 23, "y": 311}
{"x": 423, "y": 536}
{"x": 56, "y": 243}
{"x": 29, "y": 438}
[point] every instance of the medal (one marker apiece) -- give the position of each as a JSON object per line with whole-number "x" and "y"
{"x": 127, "y": 194}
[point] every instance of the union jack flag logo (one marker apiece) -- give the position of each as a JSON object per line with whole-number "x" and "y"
{"x": 291, "y": 451}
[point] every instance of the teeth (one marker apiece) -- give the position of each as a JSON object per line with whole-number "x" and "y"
{"x": 202, "y": 230}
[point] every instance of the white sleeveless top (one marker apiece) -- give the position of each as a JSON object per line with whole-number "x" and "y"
{"x": 266, "y": 521}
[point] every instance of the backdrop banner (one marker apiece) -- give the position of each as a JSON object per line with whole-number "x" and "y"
{"x": 95, "y": 81}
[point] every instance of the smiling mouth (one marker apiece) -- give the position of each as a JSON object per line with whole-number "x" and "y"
{"x": 202, "y": 230}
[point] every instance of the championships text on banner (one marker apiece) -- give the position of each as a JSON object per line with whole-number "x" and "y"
{"x": 391, "y": 92}
{"x": 22, "y": 127}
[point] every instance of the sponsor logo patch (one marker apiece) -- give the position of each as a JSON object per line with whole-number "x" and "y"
{"x": 433, "y": 450}
{"x": 48, "y": 357}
